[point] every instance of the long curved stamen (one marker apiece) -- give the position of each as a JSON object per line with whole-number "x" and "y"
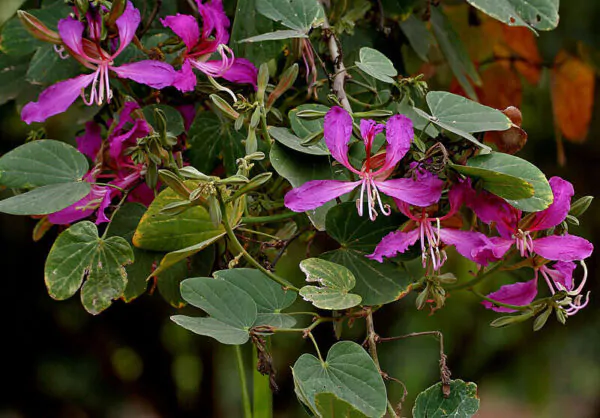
{"x": 370, "y": 201}
{"x": 385, "y": 209}
{"x": 60, "y": 50}
{"x": 361, "y": 200}
{"x": 583, "y": 280}
{"x": 547, "y": 278}
{"x": 93, "y": 95}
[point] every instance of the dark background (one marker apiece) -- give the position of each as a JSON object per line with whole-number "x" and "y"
{"x": 131, "y": 361}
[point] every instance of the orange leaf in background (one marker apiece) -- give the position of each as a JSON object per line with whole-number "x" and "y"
{"x": 523, "y": 45}
{"x": 572, "y": 86}
{"x": 501, "y": 87}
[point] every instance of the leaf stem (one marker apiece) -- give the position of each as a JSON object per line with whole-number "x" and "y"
{"x": 259, "y": 233}
{"x": 243, "y": 383}
{"x": 312, "y": 338}
{"x": 269, "y": 218}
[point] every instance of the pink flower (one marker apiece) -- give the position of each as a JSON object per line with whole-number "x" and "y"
{"x": 338, "y": 131}
{"x": 200, "y": 46}
{"x": 58, "y": 97}
{"x": 513, "y": 230}
{"x": 428, "y": 230}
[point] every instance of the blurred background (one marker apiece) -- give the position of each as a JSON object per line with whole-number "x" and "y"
{"x": 131, "y": 361}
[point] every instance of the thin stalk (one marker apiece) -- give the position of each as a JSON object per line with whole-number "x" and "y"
{"x": 312, "y": 338}
{"x": 112, "y": 215}
{"x": 478, "y": 279}
{"x": 243, "y": 383}
{"x": 261, "y": 391}
{"x": 265, "y": 128}
{"x": 259, "y": 233}
{"x": 271, "y": 218}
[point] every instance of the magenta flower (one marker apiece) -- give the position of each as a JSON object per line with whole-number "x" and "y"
{"x": 428, "y": 230}
{"x": 200, "y": 46}
{"x": 338, "y": 131}
{"x": 514, "y": 229}
{"x": 559, "y": 277}
{"x": 58, "y": 97}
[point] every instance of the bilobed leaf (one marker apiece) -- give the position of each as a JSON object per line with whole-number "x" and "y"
{"x": 539, "y": 14}
{"x": 510, "y": 177}
{"x": 336, "y": 283}
{"x": 454, "y": 51}
{"x": 79, "y": 252}
{"x": 212, "y": 140}
{"x": 462, "y": 402}
{"x": 294, "y": 14}
{"x": 268, "y": 295}
{"x": 285, "y": 137}
{"x": 41, "y": 163}
{"x": 376, "y": 65}
{"x": 45, "y": 199}
{"x": 299, "y": 168}
{"x": 210, "y": 327}
{"x": 276, "y": 36}
{"x": 160, "y": 232}
{"x": 275, "y": 320}
{"x": 418, "y": 36}
{"x": 47, "y": 67}
{"x": 330, "y": 406}
{"x": 573, "y": 84}
{"x": 349, "y": 373}
{"x": 12, "y": 76}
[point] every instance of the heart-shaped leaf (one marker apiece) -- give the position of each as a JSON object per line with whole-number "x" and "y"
{"x": 210, "y": 327}
{"x": 294, "y": 14}
{"x": 521, "y": 183}
{"x": 285, "y": 137}
{"x": 336, "y": 281}
{"x": 330, "y": 406}
{"x": 376, "y": 65}
{"x": 348, "y": 373}
{"x": 462, "y": 402}
{"x": 45, "y": 199}
{"x": 276, "y": 36}
{"x": 539, "y": 14}
{"x": 80, "y": 252}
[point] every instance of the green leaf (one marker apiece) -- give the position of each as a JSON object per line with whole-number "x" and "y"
{"x": 210, "y": 327}
{"x": 376, "y": 65}
{"x": 46, "y": 199}
{"x": 285, "y": 137}
{"x": 521, "y": 183}
{"x": 15, "y": 39}
{"x": 299, "y": 168}
{"x": 80, "y": 252}
{"x": 212, "y": 139}
{"x": 41, "y": 163}
{"x": 175, "y": 125}
{"x": 275, "y": 320}
{"x": 47, "y": 67}
{"x": 330, "y": 406}
{"x": 418, "y": 36}
{"x": 160, "y": 232}
{"x": 455, "y": 52}
{"x": 276, "y": 36}
{"x": 248, "y": 23}
{"x": 336, "y": 281}
{"x": 540, "y": 14}
{"x": 12, "y": 76}
{"x": 268, "y": 295}
{"x": 304, "y": 128}
{"x": 348, "y": 372}
{"x": 294, "y": 14}
{"x": 174, "y": 257}
{"x": 462, "y": 402}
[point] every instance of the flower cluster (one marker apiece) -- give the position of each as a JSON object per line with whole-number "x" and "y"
{"x": 418, "y": 196}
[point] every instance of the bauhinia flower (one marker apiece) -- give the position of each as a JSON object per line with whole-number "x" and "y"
{"x": 518, "y": 230}
{"x": 559, "y": 277}
{"x": 58, "y": 97}
{"x": 200, "y": 46}
{"x": 432, "y": 236}
{"x": 373, "y": 180}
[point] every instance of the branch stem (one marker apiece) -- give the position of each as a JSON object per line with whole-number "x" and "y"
{"x": 243, "y": 383}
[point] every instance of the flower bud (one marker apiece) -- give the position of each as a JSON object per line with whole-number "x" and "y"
{"x": 174, "y": 182}
{"x": 263, "y": 80}
{"x": 287, "y": 80}
{"x": 580, "y": 206}
{"x": 378, "y": 113}
{"x": 214, "y": 210}
{"x": 505, "y": 321}
{"x": 37, "y": 29}
{"x": 82, "y": 6}
{"x": 541, "y": 319}
{"x": 192, "y": 173}
{"x": 224, "y": 107}
{"x": 251, "y": 142}
{"x": 175, "y": 208}
{"x": 310, "y": 114}
{"x": 312, "y": 139}
{"x": 117, "y": 9}
{"x": 253, "y": 184}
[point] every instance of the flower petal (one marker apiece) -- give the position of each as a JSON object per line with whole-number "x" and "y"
{"x": 127, "y": 24}
{"x": 90, "y": 142}
{"x": 98, "y": 196}
{"x": 185, "y": 79}
{"x": 369, "y": 130}
{"x": 55, "y": 99}
{"x": 184, "y": 26}
{"x": 155, "y": 74}
{"x": 214, "y": 18}
{"x": 418, "y": 193}
{"x": 394, "y": 243}
{"x": 71, "y": 33}
{"x": 337, "y": 132}
{"x": 492, "y": 209}
{"x": 316, "y": 193}
{"x": 561, "y": 272}
{"x": 399, "y": 134}
{"x": 563, "y": 247}
{"x": 519, "y": 294}
{"x": 558, "y": 210}
{"x": 242, "y": 72}
{"x": 470, "y": 244}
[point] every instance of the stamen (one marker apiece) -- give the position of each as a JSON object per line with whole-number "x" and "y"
{"x": 385, "y": 209}
{"x": 360, "y": 202}
{"x": 60, "y": 50}
{"x": 93, "y": 94}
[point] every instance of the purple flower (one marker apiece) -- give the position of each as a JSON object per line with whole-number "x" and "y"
{"x": 518, "y": 230}
{"x": 559, "y": 277}
{"x": 428, "y": 230}
{"x": 200, "y": 46}
{"x": 373, "y": 180}
{"x": 58, "y": 97}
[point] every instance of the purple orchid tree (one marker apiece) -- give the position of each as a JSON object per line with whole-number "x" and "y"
{"x": 372, "y": 179}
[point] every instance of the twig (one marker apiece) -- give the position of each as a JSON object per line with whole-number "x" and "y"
{"x": 338, "y": 64}
{"x": 285, "y": 247}
{"x": 153, "y": 15}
